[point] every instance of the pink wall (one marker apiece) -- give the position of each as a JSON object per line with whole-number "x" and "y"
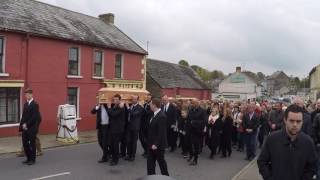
{"x": 47, "y": 75}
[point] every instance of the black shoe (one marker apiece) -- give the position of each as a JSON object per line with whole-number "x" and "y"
{"x": 113, "y": 163}
{"x": 211, "y": 156}
{"x": 223, "y": 156}
{"x": 193, "y": 163}
{"x": 247, "y": 159}
{"x": 103, "y": 160}
{"x": 25, "y": 162}
{"x": 127, "y": 158}
{"x": 131, "y": 159}
{"x": 172, "y": 149}
{"x": 189, "y": 159}
{"x": 31, "y": 163}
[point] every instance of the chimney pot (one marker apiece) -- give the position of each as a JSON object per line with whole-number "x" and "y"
{"x": 107, "y": 18}
{"x": 238, "y": 69}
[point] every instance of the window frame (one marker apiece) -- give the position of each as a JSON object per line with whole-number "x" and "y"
{"x": 94, "y": 75}
{"x": 19, "y": 113}
{"x": 78, "y": 60}
{"x": 77, "y": 98}
{"x": 121, "y": 66}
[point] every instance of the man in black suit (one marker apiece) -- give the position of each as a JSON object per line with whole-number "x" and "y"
{"x": 171, "y": 114}
{"x": 197, "y": 117}
{"x": 117, "y": 121}
{"x": 148, "y": 114}
{"x": 134, "y": 120}
{"x": 250, "y": 124}
{"x": 29, "y": 126}
{"x": 157, "y": 140}
{"x": 102, "y": 125}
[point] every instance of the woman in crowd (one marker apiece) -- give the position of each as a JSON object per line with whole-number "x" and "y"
{"x": 214, "y": 130}
{"x": 227, "y": 123}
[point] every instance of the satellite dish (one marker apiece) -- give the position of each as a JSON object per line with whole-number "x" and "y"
{"x": 156, "y": 177}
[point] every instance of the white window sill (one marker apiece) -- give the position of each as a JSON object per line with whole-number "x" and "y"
{"x": 9, "y": 125}
{"x": 96, "y": 77}
{"x": 74, "y": 77}
{"x": 4, "y": 74}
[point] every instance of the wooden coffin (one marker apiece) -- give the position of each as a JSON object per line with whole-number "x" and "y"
{"x": 106, "y": 94}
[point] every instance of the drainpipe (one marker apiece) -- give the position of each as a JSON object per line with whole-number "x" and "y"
{"x": 27, "y": 61}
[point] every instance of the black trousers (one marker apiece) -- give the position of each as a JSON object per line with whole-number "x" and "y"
{"x": 132, "y": 139}
{"x": 143, "y": 140}
{"x": 226, "y": 145}
{"x": 172, "y": 138}
{"x": 195, "y": 145}
{"x": 103, "y": 137}
{"x": 114, "y": 142}
{"x": 123, "y": 144}
{"x": 29, "y": 145}
{"x": 153, "y": 156}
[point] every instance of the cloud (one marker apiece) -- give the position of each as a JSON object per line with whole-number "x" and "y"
{"x": 219, "y": 34}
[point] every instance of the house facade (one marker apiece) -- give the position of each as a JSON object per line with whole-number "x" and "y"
{"x": 65, "y": 57}
{"x": 314, "y": 76}
{"x": 173, "y": 80}
{"x": 240, "y": 86}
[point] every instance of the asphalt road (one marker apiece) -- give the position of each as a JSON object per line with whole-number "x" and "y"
{"x": 79, "y": 162}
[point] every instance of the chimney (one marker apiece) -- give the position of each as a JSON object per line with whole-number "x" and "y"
{"x": 107, "y": 18}
{"x": 238, "y": 69}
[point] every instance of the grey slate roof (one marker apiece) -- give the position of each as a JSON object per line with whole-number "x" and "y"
{"x": 50, "y": 21}
{"x": 169, "y": 75}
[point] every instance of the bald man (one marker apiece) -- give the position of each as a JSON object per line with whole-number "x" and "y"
{"x": 307, "y": 124}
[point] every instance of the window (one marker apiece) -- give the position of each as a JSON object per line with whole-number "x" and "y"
{"x": 73, "y": 61}
{"x": 118, "y": 66}
{"x": 1, "y": 55}
{"x": 98, "y": 64}
{"x": 73, "y": 97}
{"x": 9, "y": 105}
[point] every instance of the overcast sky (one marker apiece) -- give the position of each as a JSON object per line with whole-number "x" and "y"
{"x": 258, "y": 35}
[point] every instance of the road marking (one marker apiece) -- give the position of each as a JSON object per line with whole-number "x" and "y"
{"x": 50, "y": 176}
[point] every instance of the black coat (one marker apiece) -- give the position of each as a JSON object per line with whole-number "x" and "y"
{"x": 117, "y": 117}
{"x": 157, "y": 132}
{"x": 171, "y": 115}
{"x": 147, "y": 115}
{"x": 134, "y": 117}
{"x": 214, "y": 132}
{"x": 251, "y": 124}
{"x": 227, "y": 126}
{"x": 198, "y": 118}
{"x": 31, "y": 116}
{"x": 307, "y": 123}
{"x": 282, "y": 159}
{"x": 98, "y": 114}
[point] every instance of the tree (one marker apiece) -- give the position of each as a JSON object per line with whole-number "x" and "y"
{"x": 261, "y": 76}
{"x": 184, "y": 63}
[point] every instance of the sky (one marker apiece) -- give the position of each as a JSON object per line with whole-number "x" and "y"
{"x": 258, "y": 35}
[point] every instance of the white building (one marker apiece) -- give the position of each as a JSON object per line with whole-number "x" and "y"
{"x": 240, "y": 86}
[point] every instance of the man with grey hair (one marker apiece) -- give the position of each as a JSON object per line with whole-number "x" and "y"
{"x": 307, "y": 124}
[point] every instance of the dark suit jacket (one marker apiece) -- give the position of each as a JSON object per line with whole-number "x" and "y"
{"x": 171, "y": 115}
{"x": 157, "y": 132}
{"x": 147, "y": 115}
{"x": 98, "y": 114}
{"x": 251, "y": 124}
{"x": 31, "y": 116}
{"x": 117, "y": 117}
{"x": 135, "y": 116}
{"x": 198, "y": 118}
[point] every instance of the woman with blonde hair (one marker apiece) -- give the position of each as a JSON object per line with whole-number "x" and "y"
{"x": 227, "y": 123}
{"x": 214, "y": 127}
